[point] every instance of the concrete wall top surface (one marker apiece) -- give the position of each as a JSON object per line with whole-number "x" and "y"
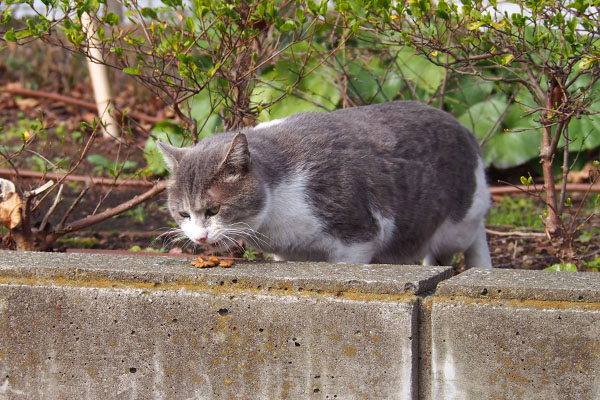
{"x": 101, "y": 270}
{"x": 523, "y": 285}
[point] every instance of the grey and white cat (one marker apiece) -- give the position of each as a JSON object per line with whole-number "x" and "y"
{"x": 397, "y": 182}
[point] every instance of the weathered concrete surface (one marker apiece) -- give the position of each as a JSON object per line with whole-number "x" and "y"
{"x": 89, "y": 326}
{"x": 506, "y": 334}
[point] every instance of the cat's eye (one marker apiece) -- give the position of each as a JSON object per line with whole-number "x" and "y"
{"x": 184, "y": 214}
{"x": 214, "y": 210}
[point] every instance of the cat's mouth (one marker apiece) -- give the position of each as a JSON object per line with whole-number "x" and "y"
{"x": 219, "y": 244}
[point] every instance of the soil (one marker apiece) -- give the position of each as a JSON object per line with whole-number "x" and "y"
{"x": 141, "y": 227}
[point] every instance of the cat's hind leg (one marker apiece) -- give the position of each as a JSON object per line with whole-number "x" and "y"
{"x": 432, "y": 260}
{"x": 478, "y": 254}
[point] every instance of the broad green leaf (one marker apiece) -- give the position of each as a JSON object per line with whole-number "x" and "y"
{"x": 462, "y": 92}
{"x": 513, "y": 143}
{"x": 316, "y": 91}
{"x": 584, "y": 133}
{"x": 168, "y": 132}
{"x": 481, "y": 117}
{"x": 202, "y": 110}
{"x": 417, "y": 68}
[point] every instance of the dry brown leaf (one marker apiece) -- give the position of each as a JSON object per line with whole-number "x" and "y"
{"x": 13, "y": 85}
{"x": 89, "y": 117}
{"x": 10, "y": 211}
{"x": 582, "y": 176}
{"x": 27, "y": 103}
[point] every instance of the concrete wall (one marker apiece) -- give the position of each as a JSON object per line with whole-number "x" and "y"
{"x": 510, "y": 334}
{"x": 104, "y": 327}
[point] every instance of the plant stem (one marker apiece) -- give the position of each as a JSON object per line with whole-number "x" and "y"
{"x": 552, "y": 220}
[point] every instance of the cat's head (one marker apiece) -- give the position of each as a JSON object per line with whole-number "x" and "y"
{"x": 214, "y": 195}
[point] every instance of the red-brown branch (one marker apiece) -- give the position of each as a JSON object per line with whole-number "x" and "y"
{"x": 571, "y": 187}
{"x": 76, "y": 178}
{"x": 82, "y": 103}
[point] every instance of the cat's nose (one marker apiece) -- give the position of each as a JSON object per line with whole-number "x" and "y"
{"x": 202, "y": 239}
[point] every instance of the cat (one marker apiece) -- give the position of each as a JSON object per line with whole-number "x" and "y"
{"x": 399, "y": 182}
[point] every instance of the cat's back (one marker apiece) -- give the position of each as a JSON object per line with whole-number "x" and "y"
{"x": 369, "y": 136}
{"x": 398, "y": 124}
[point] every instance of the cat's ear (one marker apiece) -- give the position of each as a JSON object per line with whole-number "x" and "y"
{"x": 171, "y": 154}
{"x": 238, "y": 155}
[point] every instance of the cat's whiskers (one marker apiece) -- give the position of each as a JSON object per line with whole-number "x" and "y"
{"x": 171, "y": 236}
{"x": 233, "y": 241}
{"x": 248, "y": 227}
{"x": 247, "y": 232}
{"x": 250, "y": 235}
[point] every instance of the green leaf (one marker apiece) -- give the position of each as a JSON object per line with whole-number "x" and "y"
{"x": 527, "y": 181}
{"x": 189, "y": 24}
{"x": 593, "y": 264}
{"x": 313, "y": 7}
{"x": 300, "y": 15}
{"x": 149, "y": 12}
{"x": 316, "y": 92}
{"x": 131, "y": 71}
{"x": 516, "y": 140}
{"x": 201, "y": 109}
{"x": 168, "y": 132}
{"x": 507, "y": 59}
{"x": 323, "y": 8}
{"x": 111, "y": 19}
{"x": 117, "y": 50}
{"x": 419, "y": 69}
{"x": 172, "y": 3}
{"x": 10, "y": 36}
{"x": 287, "y": 26}
{"x": 568, "y": 267}
{"x": 443, "y": 11}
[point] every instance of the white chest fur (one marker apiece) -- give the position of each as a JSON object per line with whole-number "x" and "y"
{"x": 287, "y": 219}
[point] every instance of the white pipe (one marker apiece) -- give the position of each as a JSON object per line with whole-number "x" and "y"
{"x": 99, "y": 77}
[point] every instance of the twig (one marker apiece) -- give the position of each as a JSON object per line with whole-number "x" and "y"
{"x": 61, "y": 224}
{"x": 28, "y": 197}
{"x": 498, "y": 121}
{"x": 52, "y": 208}
{"x": 515, "y": 233}
{"x": 38, "y": 191}
{"x": 75, "y": 178}
{"x": 563, "y": 186}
